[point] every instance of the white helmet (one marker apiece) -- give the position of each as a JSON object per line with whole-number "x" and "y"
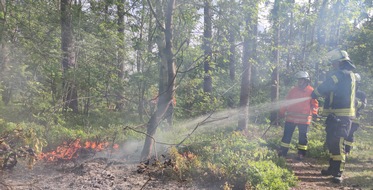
{"x": 302, "y": 75}
{"x": 337, "y": 56}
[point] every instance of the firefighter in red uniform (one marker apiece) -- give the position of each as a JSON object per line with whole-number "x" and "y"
{"x": 339, "y": 107}
{"x": 360, "y": 104}
{"x": 298, "y": 114}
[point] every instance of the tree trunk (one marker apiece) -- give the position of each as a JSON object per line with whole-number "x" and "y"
{"x": 6, "y": 93}
{"x": 4, "y": 61}
{"x": 140, "y": 65}
{"x": 249, "y": 55}
{"x": 232, "y": 57}
{"x": 290, "y": 39}
{"x": 119, "y": 104}
{"x": 276, "y": 59}
{"x": 166, "y": 88}
{"x": 68, "y": 56}
{"x": 245, "y": 87}
{"x": 207, "y": 34}
{"x": 171, "y": 67}
{"x": 4, "y": 57}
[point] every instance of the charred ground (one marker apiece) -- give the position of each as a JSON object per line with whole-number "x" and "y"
{"x": 105, "y": 173}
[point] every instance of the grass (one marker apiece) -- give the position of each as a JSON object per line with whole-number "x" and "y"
{"x": 359, "y": 166}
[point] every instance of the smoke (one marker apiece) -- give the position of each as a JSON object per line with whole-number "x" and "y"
{"x": 220, "y": 119}
{"x": 229, "y": 117}
{"x": 167, "y": 137}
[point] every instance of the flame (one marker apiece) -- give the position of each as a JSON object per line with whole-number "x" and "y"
{"x": 96, "y": 146}
{"x": 68, "y": 151}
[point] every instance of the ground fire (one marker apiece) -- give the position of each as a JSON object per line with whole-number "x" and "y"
{"x": 74, "y": 149}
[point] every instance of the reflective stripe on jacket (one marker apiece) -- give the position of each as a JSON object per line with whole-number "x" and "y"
{"x": 339, "y": 93}
{"x": 300, "y": 113}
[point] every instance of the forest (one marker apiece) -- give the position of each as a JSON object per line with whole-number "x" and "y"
{"x": 198, "y": 82}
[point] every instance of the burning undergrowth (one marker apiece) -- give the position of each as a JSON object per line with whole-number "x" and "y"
{"x": 75, "y": 149}
{"x": 94, "y": 165}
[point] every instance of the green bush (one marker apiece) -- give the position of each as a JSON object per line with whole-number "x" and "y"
{"x": 23, "y": 134}
{"x": 316, "y": 141}
{"x": 242, "y": 162}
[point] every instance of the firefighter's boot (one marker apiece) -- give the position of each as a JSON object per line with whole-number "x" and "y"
{"x": 337, "y": 179}
{"x": 283, "y": 152}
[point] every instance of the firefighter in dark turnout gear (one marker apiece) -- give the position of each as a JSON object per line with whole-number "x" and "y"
{"x": 360, "y": 104}
{"x": 298, "y": 115}
{"x": 339, "y": 107}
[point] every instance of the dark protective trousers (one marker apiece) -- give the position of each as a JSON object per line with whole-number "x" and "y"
{"x": 350, "y": 139}
{"x": 337, "y": 130}
{"x": 302, "y": 139}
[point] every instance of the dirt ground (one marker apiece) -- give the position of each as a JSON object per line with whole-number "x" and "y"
{"x": 308, "y": 173}
{"x": 122, "y": 174}
{"x": 96, "y": 173}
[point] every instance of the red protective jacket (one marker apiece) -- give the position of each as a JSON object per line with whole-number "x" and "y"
{"x": 301, "y": 112}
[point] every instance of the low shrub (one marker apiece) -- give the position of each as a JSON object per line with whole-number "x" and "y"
{"x": 241, "y": 162}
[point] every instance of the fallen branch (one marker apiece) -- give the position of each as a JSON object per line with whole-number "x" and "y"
{"x": 146, "y": 183}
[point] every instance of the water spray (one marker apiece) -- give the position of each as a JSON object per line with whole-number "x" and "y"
{"x": 230, "y": 116}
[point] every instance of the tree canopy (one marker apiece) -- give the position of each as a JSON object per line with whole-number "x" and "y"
{"x": 90, "y": 64}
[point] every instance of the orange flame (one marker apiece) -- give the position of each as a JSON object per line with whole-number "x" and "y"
{"x": 67, "y": 151}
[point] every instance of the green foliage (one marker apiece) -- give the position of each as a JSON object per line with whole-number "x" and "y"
{"x": 198, "y": 101}
{"x": 32, "y": 81}
{"x": 316, "y": 141}
{"x": 20, "y": 141}
{"x": 231, "y": 157}
{"x": 23, "y": 134}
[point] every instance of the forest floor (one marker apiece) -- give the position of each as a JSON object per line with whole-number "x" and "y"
{"x": 115, "y": 174}
{"x": 357, "y": 174}
{"x": 122, "y": 172}
{"x": 93, "y": 173}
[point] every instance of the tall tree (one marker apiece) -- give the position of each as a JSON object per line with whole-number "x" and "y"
{"x": 232, "y": 49}
{"x": 232, "y": 46}
{"x": 68, "y": 56}
{"x": 207, "y": 35}
{"x": 167, "y": 87}
{"x": 139, "y": 58}
{"x": 290, "y": 39}
{"x": 276, "y": 59}
{"x": 248, "y": 57}
{"x": 4, "y": 55}
{"x": 121, "y": 65}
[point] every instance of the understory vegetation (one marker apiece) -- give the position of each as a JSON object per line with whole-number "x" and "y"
{"x": 212, "y": 152}
{"x": 221, "y": 155}
{"x": 178, "y": 77}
